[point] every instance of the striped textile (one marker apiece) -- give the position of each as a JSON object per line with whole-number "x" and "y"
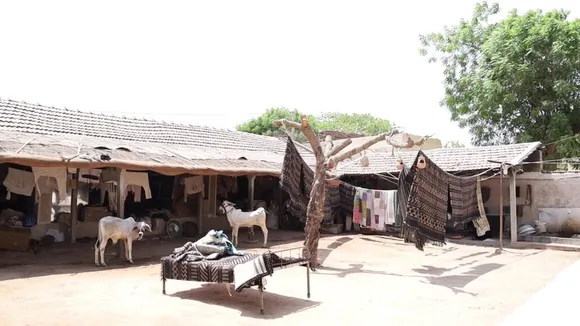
{"x": 296, "y": 180}
{"x": 216, "y": 271}
{"x": 248, "y": 273}
{"x": 427, "y": 205}
{"x": 463, "y": 196}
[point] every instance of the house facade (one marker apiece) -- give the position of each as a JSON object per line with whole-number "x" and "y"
{"x": 83, "y": 144}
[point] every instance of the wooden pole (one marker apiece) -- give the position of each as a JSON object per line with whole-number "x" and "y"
{"x": 74, "y": 210}
{"x": 501, "y": 207}
{"x": 200, "y": 211}
{"x": 513, "y": 208}
{"x": 251, "y": 179}
{"x": 120, "y": 206}
{"x": 501, "y": 169}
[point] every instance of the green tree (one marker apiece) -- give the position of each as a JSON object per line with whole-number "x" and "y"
{"x": 453, "y": 144}
{"x": 351, "y": 123}
{"x": 262, "y": 125}
{"x": 354, "y": 123}
{"x": 512, "y": 80}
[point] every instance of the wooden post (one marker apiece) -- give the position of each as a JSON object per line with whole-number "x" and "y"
{"x": 513, "y": 208}
{"x": 200, "y": 212}
{"x": 251, "y": 179}
{"x": 212, "y": 194}
{"x": 74, "y": 210}
{"x": 120, "y": 206}
{"x": 501, "y": 207}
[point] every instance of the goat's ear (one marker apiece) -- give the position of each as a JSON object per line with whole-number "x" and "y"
{"x": 135, "y": 229}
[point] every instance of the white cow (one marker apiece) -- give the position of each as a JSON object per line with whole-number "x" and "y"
{"x": 116, "y": 228}
{"x": 239, "y": 219}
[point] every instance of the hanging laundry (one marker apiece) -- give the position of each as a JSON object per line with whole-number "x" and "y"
{"x": 136, "y": 190}
{"x": 391, "y": 206}
{"x": 192, "y": 185}
{"x": 59, "y": 175}
{"x": 296, "y": 180}
{"x": 378, "y": 217}
{"x": 137, "y": 180}
{"x": 356, "y": 213}
{"x": 19, "y": 182}
{"x": 111, "y": 189}
{"x": 427, "y": 206}
{"x": 481, "y": 223}
{"x": 346, "y": 193}
{"x": 463, "y": 197}
{"x": 110, "y": 174}
{"x": 365, "y": 208}
{"x": 404, "y": 187}
{"x": 108, "y": 184}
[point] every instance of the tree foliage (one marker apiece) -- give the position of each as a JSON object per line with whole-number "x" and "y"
{"x": 262, "y": 125}
{"x": 512, "y": 80}
{"x": 350, "y": 123}
{"x": 360, "y": 123}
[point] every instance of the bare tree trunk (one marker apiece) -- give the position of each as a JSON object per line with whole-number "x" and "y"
{"x": 315, "y": 215}
{"x": 324, "y": 162}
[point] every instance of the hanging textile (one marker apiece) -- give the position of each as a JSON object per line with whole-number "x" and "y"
{"x": 379, "y": 212}
{"x": 332, "y": 203}
{"x": 296, "y": 180}
{"x": 192, "y": 185}
{"x": 19, "y": 182}
{"x": 346, "y": 192}
{"x": 59, "y": 174}
{"x": 390, "y": 208}
{"x": 402, "y": 198}
{"x": 481, "y": 223}
{"x": 463, "y": 197}
{"x": 427, "y": 205}
{"x": 357, "y": 209}
{"x": 109, "y": 186}
{"x": 136, "y": 181}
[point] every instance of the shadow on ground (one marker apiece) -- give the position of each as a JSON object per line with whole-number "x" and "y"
{"x": 247, "y": 302}
{"x": 66, "y": 258}
{"x": 433, "y": 275}
{"x": 323, "y": 253}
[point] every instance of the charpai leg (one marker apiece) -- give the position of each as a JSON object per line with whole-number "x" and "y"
{"x": 308, "y": 279}
{"x": 164, "y": 280}
{"x": 261, "y": 288}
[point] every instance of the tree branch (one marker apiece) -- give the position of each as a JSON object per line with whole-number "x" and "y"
{"x": 337, "y": 158}
{"x": 287, "y": 124}
{"x": 327, "y": 145}
{"x": 307, "y": 131}
{"x": 335, "y": 150}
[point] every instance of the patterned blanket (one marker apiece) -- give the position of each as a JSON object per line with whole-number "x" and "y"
{"x": 427, "y": 204}
{"x": 404, "y": 187}
{"x": 248, "y": 273}
{"x": 216, "y": 271}
{"x": 346, "y": 192}
{"x": 296, "y": 180}
{"x": 463, "y": 197}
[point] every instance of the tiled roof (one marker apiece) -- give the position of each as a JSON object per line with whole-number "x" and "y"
{"x": 145, "y": 139}
{"x": 449, "y": 159}
{"x": 15, "y": 146}
{"x": 40, "y": 119}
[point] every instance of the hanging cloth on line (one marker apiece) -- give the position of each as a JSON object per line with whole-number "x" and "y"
{"x": 19, "y": 182}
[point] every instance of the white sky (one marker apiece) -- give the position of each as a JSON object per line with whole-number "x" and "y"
{"x": 219, "y": 63}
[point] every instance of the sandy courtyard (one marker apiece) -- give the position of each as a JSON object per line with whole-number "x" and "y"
{"x": 364, "y": 279}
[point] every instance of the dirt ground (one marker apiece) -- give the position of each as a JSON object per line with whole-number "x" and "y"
{"x": 364, "y": 279}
